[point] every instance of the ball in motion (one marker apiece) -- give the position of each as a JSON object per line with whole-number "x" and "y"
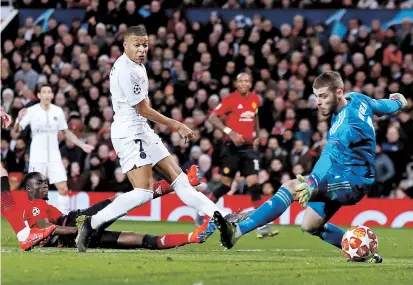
{"x": 359, "y": 243}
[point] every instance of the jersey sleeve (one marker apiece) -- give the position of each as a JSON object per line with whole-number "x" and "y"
{"x": 53, "y": 214}
{"x": 62, "y": 120}
{"x": 341, "y": 135}
{"x": 381, "y": 107}
{"x": 131, "y": 86}
{"x": 26, "y": 119}
{"x": 224, "y": 107}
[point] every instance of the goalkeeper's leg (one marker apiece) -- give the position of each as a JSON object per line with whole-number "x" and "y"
{"x": 269, "y": 211}
{"x": 315, "y": 222}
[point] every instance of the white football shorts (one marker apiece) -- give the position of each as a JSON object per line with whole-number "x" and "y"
{"x": 54, "y": 171}
{"x": 139, "y": 150}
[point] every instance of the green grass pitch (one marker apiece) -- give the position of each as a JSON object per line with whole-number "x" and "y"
{"x": 292, "y": 257}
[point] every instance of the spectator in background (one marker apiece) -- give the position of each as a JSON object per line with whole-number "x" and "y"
{"x": 393, "y": 148}
{"x": 304, "y": 132}
{"x": 95, "y": 182}
{"x": 71, "y": 151}
{"x": 77, "y": 180}
{"x": 7, "y": 156}
{"x": 27, "y": 74}
{"x": 384, "y": 174}
{"x": 194, "y": 155}
{"x": 107, "y": 166}
{"x": 205, "y": 170}
{"x": 120, "y": 183}
{"x": 18, "y": 162}
{"x": 299, "y": 155}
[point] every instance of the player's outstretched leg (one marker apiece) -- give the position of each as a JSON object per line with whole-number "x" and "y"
{"x": 141, "y": 180}
{"x": 315, "y": 222}
{"x": 129, "y": 240}
{"x": 104, "y": 216}
{"x": 269, "y": 211}
{"x": 168, "y": 169}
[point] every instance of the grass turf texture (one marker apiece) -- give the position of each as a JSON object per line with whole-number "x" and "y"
{"x": 292, "y": 257}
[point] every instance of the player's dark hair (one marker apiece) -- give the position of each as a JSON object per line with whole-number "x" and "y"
{"x": 29, "y": 176}
{"x": 330, "y": 79}
{"x": 43, "y": 86}
{"x": 138, "y": 31}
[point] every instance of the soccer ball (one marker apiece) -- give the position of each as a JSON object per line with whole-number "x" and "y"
{"x": 359, "y": 243}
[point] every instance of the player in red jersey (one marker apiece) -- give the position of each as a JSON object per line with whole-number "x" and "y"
{"x": 39, "y": 214}
{"x": 27, "y": 237}
{"x": 239, "y": 111}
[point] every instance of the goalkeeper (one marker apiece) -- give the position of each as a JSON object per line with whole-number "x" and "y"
{"x": 342, "y": 175}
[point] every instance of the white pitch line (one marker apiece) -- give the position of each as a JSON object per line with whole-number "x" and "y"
{"x": 53, "y": 250}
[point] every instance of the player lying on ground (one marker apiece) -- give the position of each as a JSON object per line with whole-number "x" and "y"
{"x": 39, "y": 214}
{"x": 342, "y": 175}
{"x": 138, "y": 147}
{"x": 26, "y": 236}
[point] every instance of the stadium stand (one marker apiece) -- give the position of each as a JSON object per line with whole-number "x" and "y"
{"x": 191, "y": 67}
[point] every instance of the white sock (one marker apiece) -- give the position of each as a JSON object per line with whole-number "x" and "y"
{"x": 121, "y": 205}
{"x": 238, "y": 233}
{"x": 23, "y": 234}
{"x": 193, "y": 198}
{"x": 63, "y": 203}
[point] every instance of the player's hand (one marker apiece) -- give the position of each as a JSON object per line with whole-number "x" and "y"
{"x": 87, "y": 148}
{"x": 303, "y": 190}
{"x": 185, "y": 132}
{"x": 21, "y": 114}
{"x": 236, "y": 138}
{"x": 5, "y": 120}
{"x": 400, "y": 98}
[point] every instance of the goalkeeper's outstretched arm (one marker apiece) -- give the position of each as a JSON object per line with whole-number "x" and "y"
{"x": 382, "y": 107}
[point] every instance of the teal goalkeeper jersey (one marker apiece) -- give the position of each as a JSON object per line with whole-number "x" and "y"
{"x": 351, "y": 141}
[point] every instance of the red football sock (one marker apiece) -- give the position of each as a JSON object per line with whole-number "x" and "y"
{"x": 257, "y": 203}
{"x": 172, "y": 240}
{"x": 9, "y": 211}
{"x": 161, "y": 188}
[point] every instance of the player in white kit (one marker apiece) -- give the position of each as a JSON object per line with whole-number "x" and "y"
{"x": 138, "y": 147}
{"x": 46, "y": 120}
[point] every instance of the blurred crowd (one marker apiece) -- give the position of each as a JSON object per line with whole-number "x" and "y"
{"x": 191, "y": 67}
{"x": 234, "y": 4}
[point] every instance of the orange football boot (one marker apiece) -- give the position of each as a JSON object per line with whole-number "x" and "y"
{"x": 194, "y": 176}
{"x": 35, "y": 237}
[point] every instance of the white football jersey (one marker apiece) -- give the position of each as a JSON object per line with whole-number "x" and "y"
{"x": 45, "y": 126}
{"x": 128, "y": 86}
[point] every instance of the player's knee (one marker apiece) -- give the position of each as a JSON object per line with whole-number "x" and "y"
{"x": 310, "y": 228}
{"x": 141, "y": 177}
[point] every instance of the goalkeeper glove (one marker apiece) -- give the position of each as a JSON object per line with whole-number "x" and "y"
{"x": 399, "y": 98}
{"x": 304, "y": 189}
